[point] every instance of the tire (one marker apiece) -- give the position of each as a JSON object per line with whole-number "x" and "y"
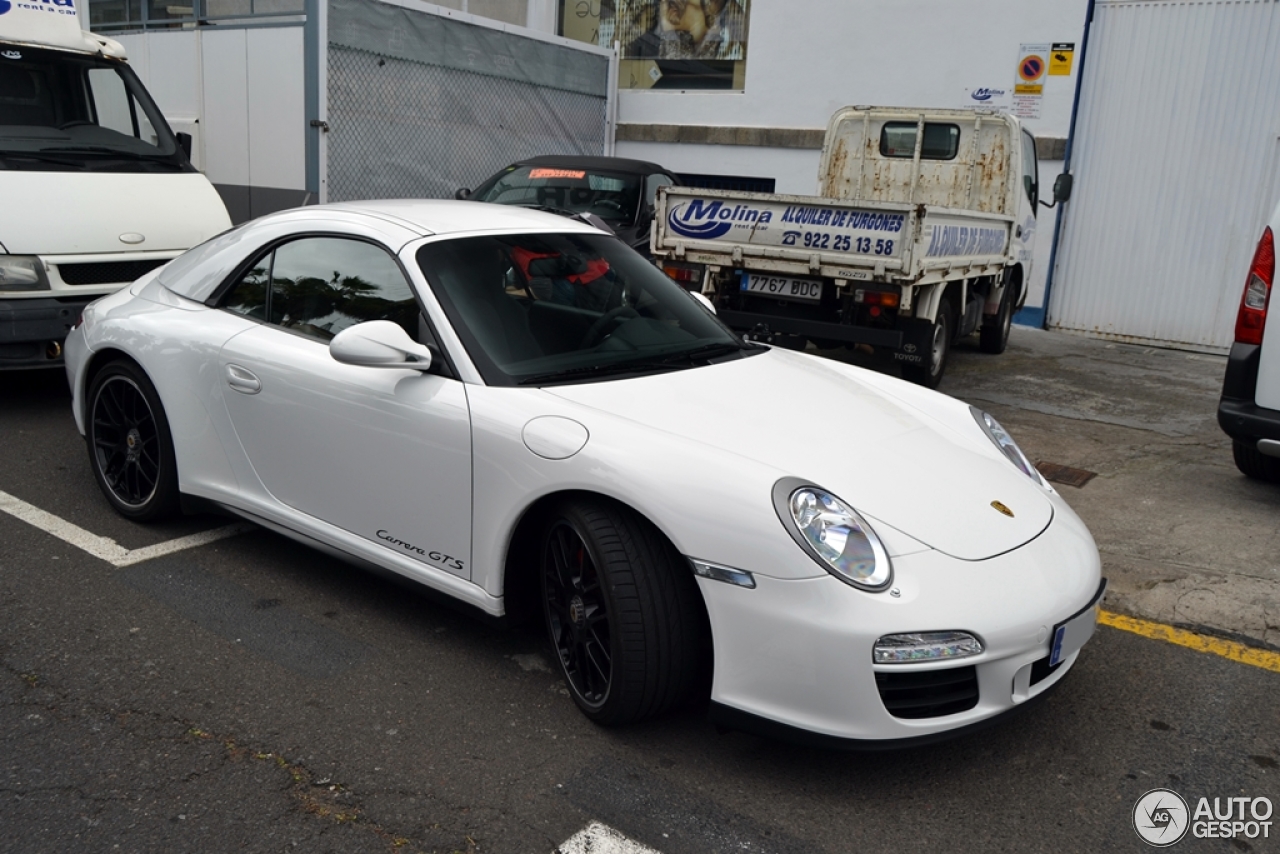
{"x": 993, "y": 337}
{"x": 930, "y": 373}
{"x": 130, "y": 445}
{"x": 1255, "y": 464}
{"x": 621, "y": 612}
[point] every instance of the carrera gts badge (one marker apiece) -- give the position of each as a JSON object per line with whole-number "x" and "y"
{"x": 1005, "y": 510}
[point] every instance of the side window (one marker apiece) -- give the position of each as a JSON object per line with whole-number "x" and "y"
{"x": 321, "y": 285}
{"x": 249, "y": 295}
{"x": 1030, "y": 170}
{"x": 115, "y": 108}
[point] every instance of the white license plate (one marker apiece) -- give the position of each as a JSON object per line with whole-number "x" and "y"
{"x": 782, "y": 286}
{"x": 1071, "y": 634}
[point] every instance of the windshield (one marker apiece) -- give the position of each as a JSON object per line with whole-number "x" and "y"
{"x": 611, "y": 196}
{"x": 68, "y": 111}
{"x": 539, "y": 309}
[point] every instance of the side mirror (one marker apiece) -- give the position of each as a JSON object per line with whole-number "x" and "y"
{"x": 184, "y": 142}
{"x": 379, "y": 344}
{"x": 646, "y": 216}
{"x": 1062, "y": 188}
{"x": 462, "y": 195}
{"x": 702, "y": 298}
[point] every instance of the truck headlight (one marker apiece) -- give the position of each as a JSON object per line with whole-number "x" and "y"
{"x": 833, "y": 534}
{"x": 1002, "y": 440}
{"x": 22, "y": 273}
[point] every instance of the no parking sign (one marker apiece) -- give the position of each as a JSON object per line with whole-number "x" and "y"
{"x": 1028, "y": 87}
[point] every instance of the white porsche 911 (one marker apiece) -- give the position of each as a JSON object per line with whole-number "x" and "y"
{"x": 518, "y": 411}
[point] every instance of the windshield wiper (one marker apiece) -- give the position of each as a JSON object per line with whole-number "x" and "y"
{"x": 599, "y": 371}
{"x": 666, "y": 363}
{"x": 40, "y": 158}
{"x": 121, "y": 153}
{"x": 707, "y": 351}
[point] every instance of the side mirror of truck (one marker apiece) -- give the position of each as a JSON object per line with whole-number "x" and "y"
{"x": 1062, "y": 188}
{"x": 184, "y": 142}
{"x": 462, "y": 194}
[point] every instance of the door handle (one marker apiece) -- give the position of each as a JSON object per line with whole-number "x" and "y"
{"x": 243, "y": 380}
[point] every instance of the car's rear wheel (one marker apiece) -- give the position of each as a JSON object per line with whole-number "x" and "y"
{"x": 929, "y": 374}
{"x": 621, "y": 611}
{"x": 993, "y": 337}
{"x": 1255, "y": 464}
{"x": 130, "y": 446}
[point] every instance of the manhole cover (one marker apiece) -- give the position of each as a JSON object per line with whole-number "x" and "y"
{"x": 1065, "y": 474}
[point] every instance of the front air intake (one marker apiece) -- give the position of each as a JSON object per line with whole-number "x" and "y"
{"x": 929, "y": 693}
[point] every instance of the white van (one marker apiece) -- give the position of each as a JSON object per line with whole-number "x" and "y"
{"x": 1249, "y": 410}
{"x": 95, "y": 189}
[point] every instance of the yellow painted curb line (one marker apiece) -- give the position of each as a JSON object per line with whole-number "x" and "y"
{"x": 1263, "y": 658}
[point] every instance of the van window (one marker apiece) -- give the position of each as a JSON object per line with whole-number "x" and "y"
{"x": 941, "y": 141}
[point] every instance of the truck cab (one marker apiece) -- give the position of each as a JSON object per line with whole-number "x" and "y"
{"x": 96, "y": 188}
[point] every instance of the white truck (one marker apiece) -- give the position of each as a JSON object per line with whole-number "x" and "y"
{"x": 922, "y": 233}
{"x": 95, "y": 189}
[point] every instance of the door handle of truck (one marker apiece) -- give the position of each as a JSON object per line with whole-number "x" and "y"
{"x": 243, "y": 380}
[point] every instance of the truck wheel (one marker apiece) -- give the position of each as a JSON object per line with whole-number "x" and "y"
{"x": 1254, "y": 464}
{"x": 930, "y": 373}
{"x": 130, "y": 446}
{"x": 994, "y": 335}
{"x": 621, "y": 612}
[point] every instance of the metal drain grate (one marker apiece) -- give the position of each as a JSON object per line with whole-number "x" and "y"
{"x": 1065, "y": 474}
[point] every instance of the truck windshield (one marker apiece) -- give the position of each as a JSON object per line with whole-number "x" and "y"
{"x": 61, "y": 110}
{"x": 611, "y": 196}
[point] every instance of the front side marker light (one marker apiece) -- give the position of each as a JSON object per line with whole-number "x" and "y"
{"x": 727, "y": 574}
{"x": 916, "y": 647}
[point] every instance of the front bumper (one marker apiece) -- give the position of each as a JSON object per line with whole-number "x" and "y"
{"x": 797, "y": 654}
{"x": 32, "y": 330}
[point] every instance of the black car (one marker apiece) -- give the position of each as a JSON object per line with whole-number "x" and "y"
{"x": 615, "y": 189}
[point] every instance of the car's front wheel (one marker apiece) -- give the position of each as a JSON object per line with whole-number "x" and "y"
{"x": 621, "y": 611}
{"x": 130, "y": 446}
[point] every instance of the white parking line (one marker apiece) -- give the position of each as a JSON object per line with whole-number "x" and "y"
{"x": 597, "y": 838}
{"x": 106, "y": 548}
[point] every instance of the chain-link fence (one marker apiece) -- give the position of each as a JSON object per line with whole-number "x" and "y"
{"x": 420, "y": 105}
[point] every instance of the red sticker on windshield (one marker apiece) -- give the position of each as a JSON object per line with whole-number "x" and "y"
{"x": 556, "y": 173}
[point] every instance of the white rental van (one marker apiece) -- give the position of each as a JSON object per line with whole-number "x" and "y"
{"x": 95, "y": 189}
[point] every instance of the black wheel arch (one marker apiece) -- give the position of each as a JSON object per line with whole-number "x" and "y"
{"x": 520, "y": 570}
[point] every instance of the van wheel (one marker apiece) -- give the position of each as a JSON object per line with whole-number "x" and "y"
{"x": 620, "y": 611}
{"x": 930, "y": 373}
{"x": 130, "y": 446}
{"x": 1255, "y": 464}
{"x": 994, "y": 335}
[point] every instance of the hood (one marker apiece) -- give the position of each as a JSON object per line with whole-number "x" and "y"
{"x": 75, "y": 213}
{"x": 821, "y": 422}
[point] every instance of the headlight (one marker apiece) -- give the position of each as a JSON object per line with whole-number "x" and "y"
{"x": 833, "y": 534}
{"x": 22, "y": 273}
{"x": 1005, "y": 443}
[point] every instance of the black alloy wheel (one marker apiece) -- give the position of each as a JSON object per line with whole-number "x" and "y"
{"x": 577, "y": 615}
{"x": 622, "y": 610}
{"x": 130, "y": 448}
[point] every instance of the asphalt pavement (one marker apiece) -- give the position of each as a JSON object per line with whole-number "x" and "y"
{"x": 250, "y": 694}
